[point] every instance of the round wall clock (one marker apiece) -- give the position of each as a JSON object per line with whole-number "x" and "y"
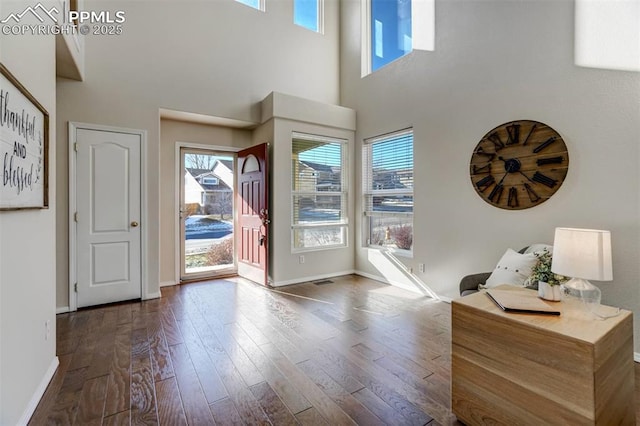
{"x": 519, "y": 164}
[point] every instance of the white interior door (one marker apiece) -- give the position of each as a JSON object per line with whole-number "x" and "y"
{"x": 108, "y": 237}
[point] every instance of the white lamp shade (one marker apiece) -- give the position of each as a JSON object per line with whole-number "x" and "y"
{"x": 582, "y": 253}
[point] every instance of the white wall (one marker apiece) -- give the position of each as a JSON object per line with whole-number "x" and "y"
{"x": 497, "y": 61}
{"x": 27, "y": 247}
{"x": 218, "y": 58}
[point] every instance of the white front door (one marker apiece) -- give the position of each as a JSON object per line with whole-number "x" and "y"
{"x": 108, "y": 259}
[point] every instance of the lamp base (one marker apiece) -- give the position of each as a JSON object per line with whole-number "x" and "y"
{"x": 581, "y": 289}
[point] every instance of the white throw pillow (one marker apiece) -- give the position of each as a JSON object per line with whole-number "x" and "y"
{"x": 538, "y": 248}
{"x": 513, "y": 268}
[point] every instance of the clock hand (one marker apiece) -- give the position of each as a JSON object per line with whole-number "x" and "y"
{"x": 528, "y": 178}
{"x": 501, "y": 180}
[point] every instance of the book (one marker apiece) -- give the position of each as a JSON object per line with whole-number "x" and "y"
{"x": 518, "y": 302}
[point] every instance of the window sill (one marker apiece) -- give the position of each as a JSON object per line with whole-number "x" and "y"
{"x": 320, "y": 248}
{"x": 395, "y": 251}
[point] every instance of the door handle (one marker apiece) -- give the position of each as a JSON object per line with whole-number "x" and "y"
{"x": 134, "y": 224}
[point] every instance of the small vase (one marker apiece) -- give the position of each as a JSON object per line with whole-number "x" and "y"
{"x": 549, "y": 292}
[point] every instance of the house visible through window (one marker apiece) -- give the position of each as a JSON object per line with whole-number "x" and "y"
{"x": 308, "y": 14}
{"x": 388, "y": 190}
{"x": 318, "y": 192}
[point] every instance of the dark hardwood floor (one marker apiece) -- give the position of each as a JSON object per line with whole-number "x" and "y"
{"x": 229, "y": 352}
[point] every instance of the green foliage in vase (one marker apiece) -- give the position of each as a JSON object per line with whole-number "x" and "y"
{"x": 542, "y": 270}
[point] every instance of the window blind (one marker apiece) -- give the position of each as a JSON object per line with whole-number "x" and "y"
{"x": 318, "y": 191}
{"x": 388, "y": 173}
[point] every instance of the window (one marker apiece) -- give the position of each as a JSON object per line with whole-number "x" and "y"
{"x": 210, "y": 181}
{"x": 256, "y": 4}
{"x": 393, "y": 28}
{"x": 388, "y": 190}
{"x": 308, "y": 14}
{"x": 318, "y": 192}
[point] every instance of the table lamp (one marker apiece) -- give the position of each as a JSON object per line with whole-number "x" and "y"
{"x": 583, "y": 254}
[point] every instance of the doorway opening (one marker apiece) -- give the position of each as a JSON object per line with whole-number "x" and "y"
{"x": 207, "y": 211}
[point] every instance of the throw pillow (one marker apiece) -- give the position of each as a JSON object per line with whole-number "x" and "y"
{"x": 536, "y": 248}
{"x": 513, "y": 268}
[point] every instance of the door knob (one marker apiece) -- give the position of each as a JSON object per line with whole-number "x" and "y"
{"x": 134, "y": 224}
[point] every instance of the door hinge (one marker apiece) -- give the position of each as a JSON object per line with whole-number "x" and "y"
{"x": 75, "y": 217}
{"x": 75, "y": 147}
{"x": 75, "y": 287}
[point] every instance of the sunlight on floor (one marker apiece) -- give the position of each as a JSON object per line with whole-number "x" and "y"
{"x": 390, "y": 290}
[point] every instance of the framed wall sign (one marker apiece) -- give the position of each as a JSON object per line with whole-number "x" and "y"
{"x": 24, "y": 147}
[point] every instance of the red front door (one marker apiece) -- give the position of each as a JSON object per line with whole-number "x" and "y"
{"x": 253, "y": 217}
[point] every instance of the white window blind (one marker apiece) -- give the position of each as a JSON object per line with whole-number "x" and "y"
{"x": 319, "y": 193}
{"x": 388, "y": 189}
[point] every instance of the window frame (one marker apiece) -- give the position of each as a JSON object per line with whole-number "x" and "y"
{"x": 210, "y": 180}
{"x": 422, "y": 32}
{"x": 368, "y": 193}
{"x": 343, "y": 222}
{"x": 319, "y": 20}
{"x": 261, "y": 5}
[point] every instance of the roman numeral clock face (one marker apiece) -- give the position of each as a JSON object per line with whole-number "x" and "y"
{"x": 519, "y": 164}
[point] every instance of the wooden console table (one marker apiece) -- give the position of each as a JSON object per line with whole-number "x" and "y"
{"x": 528, "y": 369}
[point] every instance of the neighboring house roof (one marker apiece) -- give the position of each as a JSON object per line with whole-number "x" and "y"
{"x": 321, "y": 167}
{"x": 197, "y": 172}
{"x": 387, "y": 179}
{"x": 227, "y": 163}
{"x": 200, "y": 174}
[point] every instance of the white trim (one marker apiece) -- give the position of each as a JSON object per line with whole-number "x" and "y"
{"x": 177, "y": 266}
{"x": 636, "y": 356}
{"x": 73, "y": 302}
{"x": 167, "y": 283}
{"x": 365, "y": 38}
{"x": 154, "y": 295}
{"x": 37, "y": 395}
{"x": 144, "y": 214}
{"x": 144, "y": 234}
{"x": 205, "y": 146}
{"x": 311, "y": 278}
{"x": 446, "y": 299}
{"x": 62, "y": 310}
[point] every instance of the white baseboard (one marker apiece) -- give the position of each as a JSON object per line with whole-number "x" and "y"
{"x": 636, "y": 357}
{"x": 311, "y": 278}
{"x": 62, "y": 310}
{"x": 167, "y": 283}
{"x": 37, "y": 395}
{"x": 154, "y": 295}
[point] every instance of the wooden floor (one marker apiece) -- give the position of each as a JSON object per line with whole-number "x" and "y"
{"x": 229, "y": 352}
